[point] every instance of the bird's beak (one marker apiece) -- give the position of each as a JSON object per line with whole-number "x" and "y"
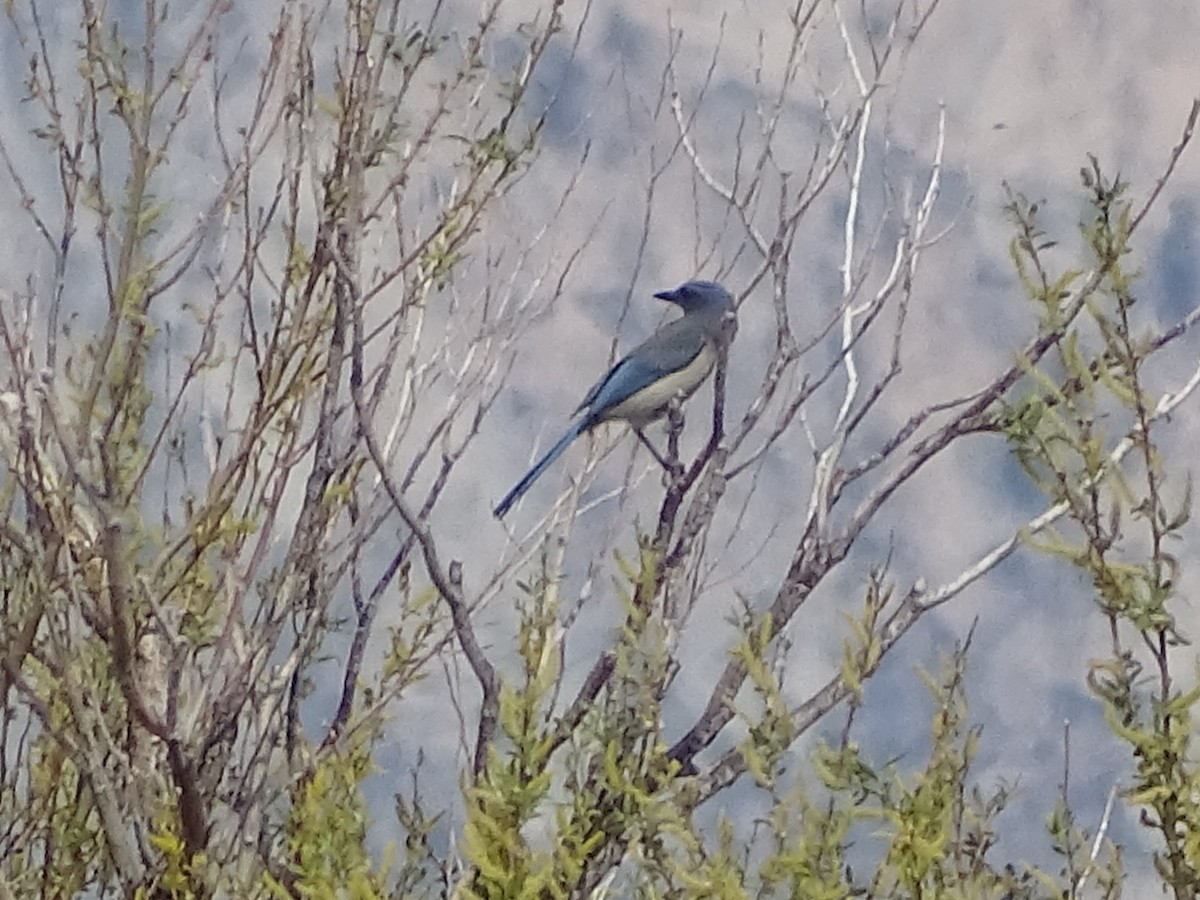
{"x": 672, "y": 296}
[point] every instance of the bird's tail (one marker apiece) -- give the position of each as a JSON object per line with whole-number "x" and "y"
{"x": 533, "y": 474}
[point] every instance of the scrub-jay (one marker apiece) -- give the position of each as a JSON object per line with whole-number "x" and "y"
{"x": 670, "y": 364}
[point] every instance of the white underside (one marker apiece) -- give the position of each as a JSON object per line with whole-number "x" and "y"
{"x": 651, "y": 402}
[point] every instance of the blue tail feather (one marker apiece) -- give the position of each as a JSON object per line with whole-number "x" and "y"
{"x": 533, "y": 474}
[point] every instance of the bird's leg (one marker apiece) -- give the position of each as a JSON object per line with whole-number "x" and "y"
{"x": 662, "y": 461}
{"x": 670, "y": 463}
{"x": 653, "y": 450}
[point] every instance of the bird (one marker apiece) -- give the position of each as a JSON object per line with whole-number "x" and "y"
{"x": 667, "y": 366}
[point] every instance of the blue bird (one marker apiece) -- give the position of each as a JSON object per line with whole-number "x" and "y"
{"x": 670, "y": 364}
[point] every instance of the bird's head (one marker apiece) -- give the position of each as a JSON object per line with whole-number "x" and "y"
{"x": 697, "y": 296}
{"x": 711, "y": 302}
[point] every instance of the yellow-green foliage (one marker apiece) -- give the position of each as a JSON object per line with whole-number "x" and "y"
{"x": 327, "y": 832}
{"x": 179, "y": 872}
{"x": 545, "y": 812}
{"x": 1087, "y": 439}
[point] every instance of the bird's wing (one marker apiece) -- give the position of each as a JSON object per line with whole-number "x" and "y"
{"x": 670, "y": 349}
